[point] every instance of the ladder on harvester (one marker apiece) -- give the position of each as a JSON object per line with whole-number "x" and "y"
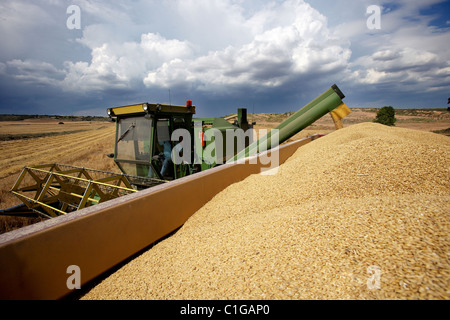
{"x": 52, "y": 190}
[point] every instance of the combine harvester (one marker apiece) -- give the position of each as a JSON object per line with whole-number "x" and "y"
{"x": 102, "y": 218}
{"x": 143, "y": 139}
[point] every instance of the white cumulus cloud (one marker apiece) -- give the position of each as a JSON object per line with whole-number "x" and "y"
{"x": 222, "y": 48}
{"x": 119, "y": 65}
{"x": 293, "y": 40}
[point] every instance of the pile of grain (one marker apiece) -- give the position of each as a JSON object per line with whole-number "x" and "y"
{"x": 364, "y": 197}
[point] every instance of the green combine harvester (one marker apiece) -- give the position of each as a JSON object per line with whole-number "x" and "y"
{"x": 156, "y": 144}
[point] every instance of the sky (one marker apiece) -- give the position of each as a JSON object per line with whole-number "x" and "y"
{"x": 80, "y": 57}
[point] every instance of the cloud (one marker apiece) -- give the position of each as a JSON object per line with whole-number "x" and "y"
{"x": 120, "y": 65}
{"x": 274, "y": 45}
{"x": 33, "y": 72}
{"x": 407, "y": 54}
{"x": 302, "y": 45}
{"x": 221, "y": 48}
{"x": 17, "y": 21}
{"x": 211, "y": 25}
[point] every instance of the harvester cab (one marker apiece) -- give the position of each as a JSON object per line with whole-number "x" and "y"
{"x": 148, "y": 135}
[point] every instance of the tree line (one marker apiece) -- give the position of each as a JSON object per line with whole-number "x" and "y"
{"x": 20, "y": 117}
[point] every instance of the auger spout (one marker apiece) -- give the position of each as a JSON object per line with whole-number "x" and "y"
{"x": 329, "y": 101}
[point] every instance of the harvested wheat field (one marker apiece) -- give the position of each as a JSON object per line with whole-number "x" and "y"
{"x": 81, "y": 144}
{"x": 361, "y": 199}
{"x": 69, "y": 147}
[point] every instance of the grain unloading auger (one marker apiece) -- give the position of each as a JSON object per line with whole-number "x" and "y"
{"x": 155, "y": 144}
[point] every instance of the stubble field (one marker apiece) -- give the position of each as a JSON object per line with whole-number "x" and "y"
{"x": 78, "y": 143}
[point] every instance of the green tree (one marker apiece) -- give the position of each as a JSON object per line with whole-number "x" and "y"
{"x": 386, "y": 116}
